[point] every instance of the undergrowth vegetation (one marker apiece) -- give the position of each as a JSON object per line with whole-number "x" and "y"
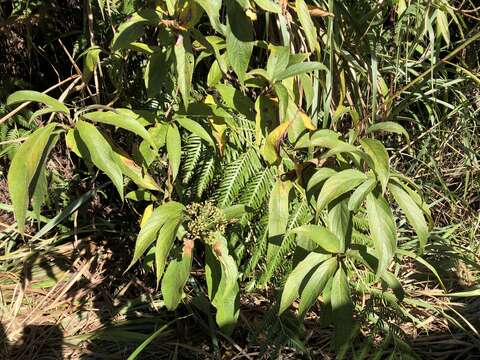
{"x": 240, "y": 179}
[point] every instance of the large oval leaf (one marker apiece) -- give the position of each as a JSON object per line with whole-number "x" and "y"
{"x": 24, "y": 170}
{"x": 382, "y": 230}
{"x": 293, "y": 284}
{"x": 171, "y": 212}
{"x": 307, "y": 24}
{"x": 239, "y": 39}
{"x": 339, "y": 184}
{"x": 174, "y": 149}
{"x": 300, "y": 68}
{"x": 225, "y": 296}
{"x": 361, "y": 193}
{"x": 321, "y": 236}
{"x": 133, "y": 28}
{"x": 277, "y": 216}
{"x": 379, "y": 156}
{"x": 342, "y": 308}
{"x": 165, "y": 239}
{"x": 176, "y": 276}
{"x": 122, "y": 121}
{"x": 316, "y": 284}
{"x": 389, "y": 126}
{"x": 94, "y": 147}
{"x": 184, "y": 63}
{"x": 413, "y": 213}
{"x": 30, "y": 95}
{"x": 269, "y": 5}
{"x": 195, "y": 128}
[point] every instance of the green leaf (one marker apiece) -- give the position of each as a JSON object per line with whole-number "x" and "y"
{"x": 424, "y": 262}
{"x": 307, "y": 24}
{"x": 236, "y": 100}
{"x": 236, "y": 211}
{"x": 271, "y": 149}
{"x": 185, "y": 62}
{"x": 316, "y": 284}
{"x": 168, "y": 212}
{"x": 379, "y": 156}
{"x": 156, "y": 74}
{"x": 321, "y": 236}
{"x": 360, "y": 193}
{"x": 174, "y": 149}
{"x": 239, "y": 39}
{"x": 40, "y": 193}
{"x": 195, "y": 128}
{"x": 29, "y": 95}
{"x": 283, "y": 103}
{"x": 95, "y": 148}
{"x": 212, "y": 8}
{"x": 413, "y": 213}
{"x": 339, "y": 221}
{"x": 135, "y": 172}
{"x": 148, "y": 340}
{"x": 165, "y": 239}
{"x": 394, "y": 284}
{"x": 140, "y": 195}
{"x": 320, "y": 175}
{"x": 339, "y": 184}
{"x": 176, "y": 277}
{"x": 92, "y": 57}
{"x": 277, "y": 216}
{"x": 382, "y": 230}
{"x": 442, "y": 25}
{"x": 121, "y": 120}
{"x": 293, "y": 284}
{"x": 133, "y": 28}
{"x": 269, "y": 5}
{"x": 342, "y": 308}
{"x": 226, "y": 296}
{"x": 215, "y": 74}
{"x": 323, "y": 138}
{"x": 278, "y": 60}
{"x": 389, "y": 126}
{"x": 25, "y": 168}
{"x": 298, "y": 69}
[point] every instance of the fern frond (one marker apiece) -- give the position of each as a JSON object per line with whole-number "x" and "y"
{"x": 204, "y": 176}
{"x": 259, "y": 246}
{"x": 192, "y": 152}
{"x": 236, "y": 176}
{"x": 256, "y": 192}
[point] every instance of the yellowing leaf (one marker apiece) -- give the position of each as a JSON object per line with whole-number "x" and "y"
{"x": 307, "y": 121}
{"x": 135, "y": 172}
{"x": 271, "y": 149}
{"x": 146, "y": 214}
